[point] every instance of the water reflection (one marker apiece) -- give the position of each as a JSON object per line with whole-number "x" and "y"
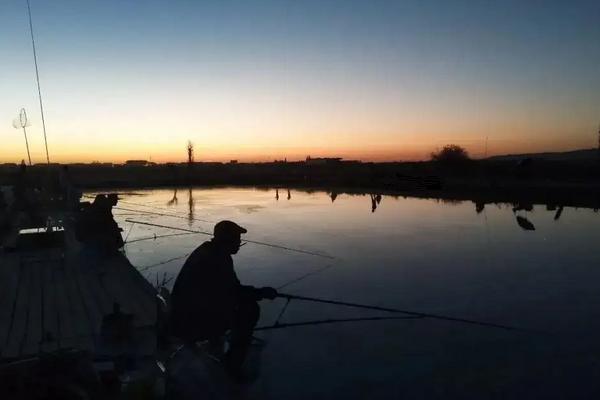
{"x": 333, "y": 195}
{"x": 525, "y": 223}
{"x": 191, "y": 207}
{"x": 460, "y": 257}
{"x": 558, "y": 213}
{"x": 375, "y": 200}
{"x": 174, "y": 199}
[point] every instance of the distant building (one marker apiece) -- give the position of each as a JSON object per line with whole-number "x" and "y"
{"x": 323, "y": 160}
{"x": 136, "y": 163}
{"x": 233, "y": 161}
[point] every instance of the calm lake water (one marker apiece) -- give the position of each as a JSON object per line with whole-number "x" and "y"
{"x": 416, "y": 254}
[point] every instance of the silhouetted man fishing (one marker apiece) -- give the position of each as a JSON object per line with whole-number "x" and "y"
{"x": 208, "y": 299}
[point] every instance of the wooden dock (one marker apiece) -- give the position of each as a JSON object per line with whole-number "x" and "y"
{"x": 58, "y": 297}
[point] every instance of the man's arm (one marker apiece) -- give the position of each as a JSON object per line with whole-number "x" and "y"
{"x": 256, "y": 294}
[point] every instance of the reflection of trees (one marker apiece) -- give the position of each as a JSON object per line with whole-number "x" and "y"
{"x": 479, "y": 207}
{"x": 375, "y": 200}
{"x": 526, "y": 207}
{"x": 452, "y": 202}
{"x": 174, "y": 199}
{"x": 558, "y": 213}
{"x": 522, "y": 206}
{"x": 333, "y": 196}
{"x": 191, "y": 206}
{"x": 525, "y": 223}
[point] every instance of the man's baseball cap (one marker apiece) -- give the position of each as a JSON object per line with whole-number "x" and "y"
{"x": 228, "y": 228}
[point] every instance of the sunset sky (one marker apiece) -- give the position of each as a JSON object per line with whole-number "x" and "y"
{"x": 263, "y": 80}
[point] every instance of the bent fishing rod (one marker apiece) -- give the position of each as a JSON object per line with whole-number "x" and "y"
{"x": 276, "y": 246}
{"x": 408, "y": 312}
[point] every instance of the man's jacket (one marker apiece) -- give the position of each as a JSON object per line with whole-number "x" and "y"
{"x": 206, "y": 293}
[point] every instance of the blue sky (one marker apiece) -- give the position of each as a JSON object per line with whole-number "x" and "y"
{"x": 269, "y": 79}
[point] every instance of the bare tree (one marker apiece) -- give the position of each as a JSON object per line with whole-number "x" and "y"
{"x": 190, "y": 152}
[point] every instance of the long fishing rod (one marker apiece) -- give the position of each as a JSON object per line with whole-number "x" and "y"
{"x": 300, "y": 278}
{"x": 413, "y": 313}
{"x": 141, "y": 212}
{"x": 161, "y": 214}
{"x": 37, "y": 77}
{"x": 330, "y": 321}
{"x": 158, "y": 264}
{"x": 157, "y": 237}
{"x": 276, "y": 246}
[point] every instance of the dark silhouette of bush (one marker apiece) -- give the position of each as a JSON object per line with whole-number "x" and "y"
{"x": 451, "y": 154}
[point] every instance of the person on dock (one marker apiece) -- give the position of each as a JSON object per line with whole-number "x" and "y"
{"x": 208, "y": 298}
{"x": 96, "y": 225}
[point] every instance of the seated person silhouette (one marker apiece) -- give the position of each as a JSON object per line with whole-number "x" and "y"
{"x": 208, "y": 299}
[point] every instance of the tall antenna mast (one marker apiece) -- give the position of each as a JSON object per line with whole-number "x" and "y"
{"x": 37, "y": 76}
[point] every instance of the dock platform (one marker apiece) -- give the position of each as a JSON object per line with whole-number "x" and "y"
{"x": 65, "y": 297}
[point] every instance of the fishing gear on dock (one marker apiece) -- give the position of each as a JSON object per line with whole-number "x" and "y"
{"x": 413, "y": 313}
{"x": 276, "y": 246}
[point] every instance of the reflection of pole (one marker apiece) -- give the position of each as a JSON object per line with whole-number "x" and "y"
{"x": 190, "y": 207}
{"x": 37, "y": 76}
{"x": 27, "y": 145}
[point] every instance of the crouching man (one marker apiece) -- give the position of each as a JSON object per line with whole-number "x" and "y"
{"x": 208, "y": 298}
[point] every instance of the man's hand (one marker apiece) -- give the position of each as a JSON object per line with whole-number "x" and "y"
{"x": 267, "y": 293}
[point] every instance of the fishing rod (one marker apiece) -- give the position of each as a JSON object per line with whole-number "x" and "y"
{"x": 276, "y": 246}
{"x": 157, "y": 237}
{"x": 300, "y": 278}
{"x": 151, "y": 212}
{"x": 330, "y": 321}
{"x": 158, "y": 264}
{"x": 37, "y": 78}
{"x": 161, "y": 214}
{"x": 413, "y": 313}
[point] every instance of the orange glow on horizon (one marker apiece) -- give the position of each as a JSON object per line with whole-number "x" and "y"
{"x": 414, "y": 152}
